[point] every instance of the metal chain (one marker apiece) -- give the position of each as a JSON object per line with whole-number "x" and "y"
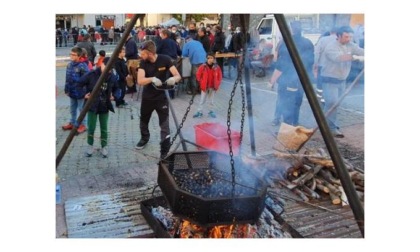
{"x": 178, "y": 130}
{"x": 228, "y": 122}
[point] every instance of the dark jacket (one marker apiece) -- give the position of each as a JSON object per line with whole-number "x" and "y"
{"x": 90, "y": 48}
{"x": 219, "y": 42}
{"x": 284, "y": 64}
{"x": 131, "y": 51}
{"x": 168, "y": 47}
{"x": 205, "y": 41}
{"x": 121, "y": 69}
{"x": 102, "y": 102}
{"x": 74, "y": 71}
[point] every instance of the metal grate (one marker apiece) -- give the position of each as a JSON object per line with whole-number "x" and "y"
{"x": 218, "y": 202}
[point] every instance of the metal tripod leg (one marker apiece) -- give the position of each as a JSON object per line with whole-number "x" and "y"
{"x": 182, "y": 140}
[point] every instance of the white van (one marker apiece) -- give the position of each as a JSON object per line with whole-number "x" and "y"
{"x": 269, "y": 30}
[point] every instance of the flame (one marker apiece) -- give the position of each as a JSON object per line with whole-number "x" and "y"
{"x": 189, "y": 230}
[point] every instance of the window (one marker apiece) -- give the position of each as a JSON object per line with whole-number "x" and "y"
{"x": 266, "y": 27}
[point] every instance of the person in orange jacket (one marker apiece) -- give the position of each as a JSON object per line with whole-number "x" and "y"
{"x": 101, "y": 58}
{"x": 209, "y": 76}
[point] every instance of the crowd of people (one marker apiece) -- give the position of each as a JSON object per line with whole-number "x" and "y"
{"x": 155, "y": 61}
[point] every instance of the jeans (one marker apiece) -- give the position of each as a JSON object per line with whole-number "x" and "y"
{"x": 332, "y": 92}
{"x": 193, "y": 85}
{"x": 203, "y": 99}
{"x": 76, "y": 106}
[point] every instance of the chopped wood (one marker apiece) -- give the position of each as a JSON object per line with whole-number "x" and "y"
{"x": 326, "y": 174}
{"x": 322, "y": 188}
{"x": 307, "y": 176}
{"x": 293, "y": 188}
{"x": 300, "y": 194}
{"x": 334, "y": 198}
{"x": 331, "y": 187}
{"x": 361, "y": 195}
{"x": 312, "y": 184}
{"x": 312, "y": 194}
{"x": 343, "y": 196}
{"x": 321, "y": 161}
{"x": 357, "y": 177}
{"x": 359, "y": 188}
{"x": 297, "y": 156}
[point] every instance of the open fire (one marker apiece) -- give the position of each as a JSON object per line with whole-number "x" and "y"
{"x": 166, "y": 225}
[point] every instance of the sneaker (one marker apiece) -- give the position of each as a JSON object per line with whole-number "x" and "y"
{"x": 338, "y": 134}
{"x": 140, "y": 145}
{"x": 104, "y": 152}
{"x": 212, "y": 114}
{"x": 68, "y": 126}
{"x": 89, "y": 151}
{"x": 164, "y": 148}
{"x": 198, "y": 115}
{"x": 81, "y": 129}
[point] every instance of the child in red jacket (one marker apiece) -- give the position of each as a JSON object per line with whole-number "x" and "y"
{"x": 209, "y": 75}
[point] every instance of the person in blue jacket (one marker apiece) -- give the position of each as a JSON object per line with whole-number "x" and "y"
{"x": 74, "y": 71}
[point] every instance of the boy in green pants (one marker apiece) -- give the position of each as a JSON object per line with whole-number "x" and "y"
{"x": 101, "y": 105}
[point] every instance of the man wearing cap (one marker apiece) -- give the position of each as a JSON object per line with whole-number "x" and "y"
{"x": 99, "y": 109}
{"x": 194, "y": 50}
{"x": 155, "y": 69}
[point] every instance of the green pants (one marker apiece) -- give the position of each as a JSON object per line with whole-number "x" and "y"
{"x": 103, "y": 124}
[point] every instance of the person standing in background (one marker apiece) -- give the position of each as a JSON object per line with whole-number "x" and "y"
{"x": 337, "y": 60}
{"x": 194, "y": 50}
{"x": 74, "y": 71}
{"x": 209, "y": 76}
{"x": 132, "y": 56}
{"x": 289, "y": 88}
{"x": 122, "y": 72}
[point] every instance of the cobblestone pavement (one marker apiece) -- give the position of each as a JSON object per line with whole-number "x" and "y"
{"x": 126, "y": 167}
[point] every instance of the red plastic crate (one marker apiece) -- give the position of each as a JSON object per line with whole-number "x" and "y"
{"x": 213, "y": 136}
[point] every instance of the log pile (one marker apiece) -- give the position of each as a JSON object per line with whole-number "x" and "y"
{"x": 312, "y": 175}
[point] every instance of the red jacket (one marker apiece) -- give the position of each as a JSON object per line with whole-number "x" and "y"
{"x": 209, "y": 77}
